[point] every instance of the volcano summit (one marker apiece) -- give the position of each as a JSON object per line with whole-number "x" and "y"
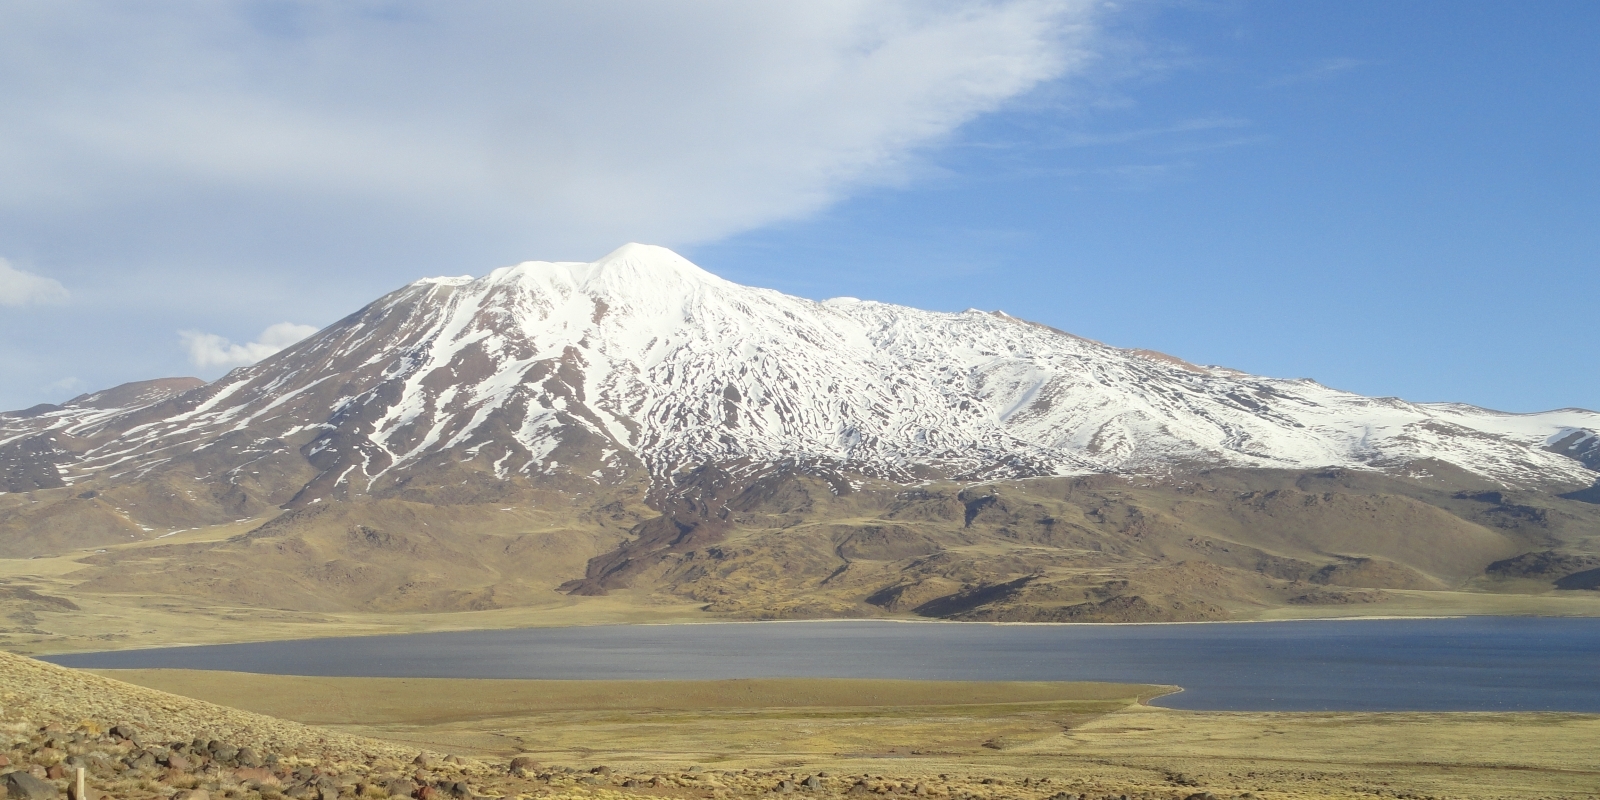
{"x": 653, "y": 415}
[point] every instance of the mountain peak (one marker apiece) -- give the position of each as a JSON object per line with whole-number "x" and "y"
{"x": 646, "y": 262}
{"x": 650, "y": 255}
{"x": 628, "y": 268}
{"x": 646, "y": 272}
{"x": 640, "y": 363}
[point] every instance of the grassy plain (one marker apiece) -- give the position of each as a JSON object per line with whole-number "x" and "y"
{"x": 1025, "y": 739}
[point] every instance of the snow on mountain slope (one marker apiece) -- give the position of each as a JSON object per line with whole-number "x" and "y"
{"x": 33, "y": 442}
{"x": 644, "y": 359}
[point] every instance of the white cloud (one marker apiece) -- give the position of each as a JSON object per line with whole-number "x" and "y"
{"x": 209, "y": 351}
{"x": 19, "y": 288}
{"x": 1323, "y": 70}
{"x": 589, "y": 122}
{"x": 68, "y": 384}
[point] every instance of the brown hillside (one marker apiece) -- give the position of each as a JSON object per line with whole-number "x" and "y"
{"x": 1214, "y": 545}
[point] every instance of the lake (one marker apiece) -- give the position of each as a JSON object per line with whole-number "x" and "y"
{"x": 1468, "y": 664}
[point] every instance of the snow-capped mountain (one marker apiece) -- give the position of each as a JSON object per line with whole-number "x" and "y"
{"x": 643, "y": 361}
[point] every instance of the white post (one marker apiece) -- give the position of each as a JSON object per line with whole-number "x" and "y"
{"x": 80, "y": 784}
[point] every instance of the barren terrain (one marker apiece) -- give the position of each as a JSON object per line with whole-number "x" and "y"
{"x": 1219, "y": 545}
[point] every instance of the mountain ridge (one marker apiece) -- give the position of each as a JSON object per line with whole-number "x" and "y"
{"x": 644, "y": 354}
{"x": 637, "y": 425}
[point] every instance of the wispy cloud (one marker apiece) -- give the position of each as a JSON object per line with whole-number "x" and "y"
{"x": 210, "y": 351}
{"x": 1225, "y": 143}
{"x": 1141, "y": 177}
{"x": 584, "y": 123}
{"x": 1323, "y": 70}
{"x": 1198, "y": 125}
{"x": 20, "y": 288}
{"x": 68, "y": 384}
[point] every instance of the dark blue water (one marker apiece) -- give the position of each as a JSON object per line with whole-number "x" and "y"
{"x": 1471, "y": 664}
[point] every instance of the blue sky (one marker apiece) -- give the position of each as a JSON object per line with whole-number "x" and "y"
{"x": 1392, "y": 198}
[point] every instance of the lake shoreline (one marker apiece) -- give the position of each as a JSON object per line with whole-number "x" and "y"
{"x": 1432, "y": 664}
{"x": 46, "y": 655}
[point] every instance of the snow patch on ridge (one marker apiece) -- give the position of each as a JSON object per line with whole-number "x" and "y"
{"x": 642, "y": 352}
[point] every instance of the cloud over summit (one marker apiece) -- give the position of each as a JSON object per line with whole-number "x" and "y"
{"x": 588, "y": 123}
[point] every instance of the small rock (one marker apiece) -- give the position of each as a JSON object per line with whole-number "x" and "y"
{"x": 248, "y": 757}
{"x": 812, "y": 782}
{"x": 124, "y": 732}
{"x": 525, "y": 762}
{"x": 1201, "y": 796}
{"x": 22, "y": 786}
{"x": 785, "y": 787}
{"x": 192, "y": 794}
{"x": 600, "y": 770}
{"x": 179, "y": 763}
{"x": 425, "y": 793}
{"x": 400, "y": 788}
{"x": 56, "y": 772}
{"x": 460, "y": 789}
{"x": 258, "y": 775}
{"x": 920, "y": 788}
{"x": 424, "y": 760}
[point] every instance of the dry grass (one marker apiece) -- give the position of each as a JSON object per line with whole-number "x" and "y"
{"x": 41, "y": 693}
{"x": 1079, "y": 738}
